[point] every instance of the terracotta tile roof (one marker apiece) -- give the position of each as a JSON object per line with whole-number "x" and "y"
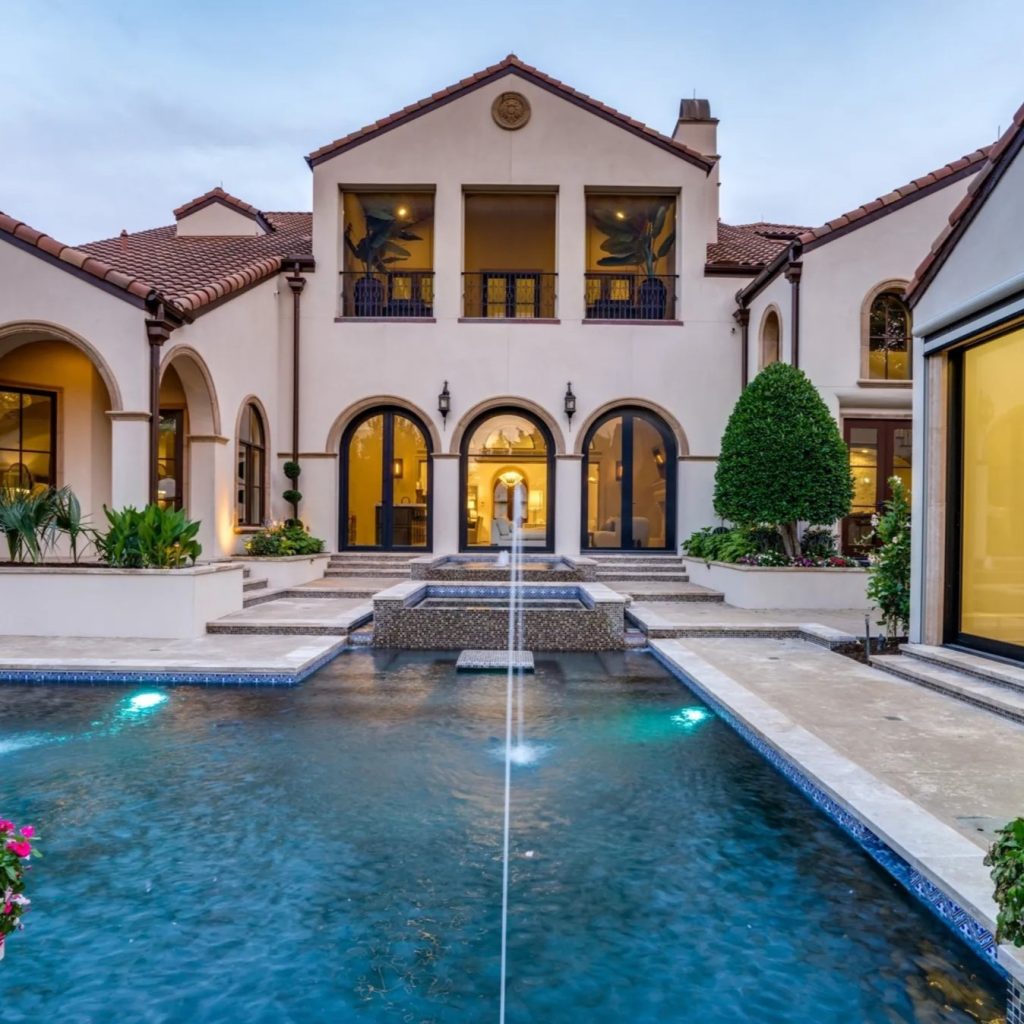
{"x": 510, "y": 65}
{"x": 216, "y": 195}
{"x": 945, "y": 175}
{"x": 189, "y": 272}
{"x": 1000, "y": 156}
{"x": 749, "y": 245}
{"x": 195, "y": 270}
{"x": 72, "y": 258}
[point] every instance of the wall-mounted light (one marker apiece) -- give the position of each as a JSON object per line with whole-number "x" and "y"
{"x": 398, "y": 468}
{"x": 444, "y": 402}
{"x": 569, "y": 402}
{"x": 659, "y": 456}
{"x": 618, "y": 469}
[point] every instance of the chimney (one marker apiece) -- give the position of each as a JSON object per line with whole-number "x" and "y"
{"x": 696, "y": 127}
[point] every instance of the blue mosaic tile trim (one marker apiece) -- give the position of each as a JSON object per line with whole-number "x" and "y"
{"x": 499, "y": 590}
{"x": 975, "y": 934}
{"x": 1015, "y": 1003}
{"x": 80, "y": 677}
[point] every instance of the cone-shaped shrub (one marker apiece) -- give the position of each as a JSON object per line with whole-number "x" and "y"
{"x": 783, "y": 459}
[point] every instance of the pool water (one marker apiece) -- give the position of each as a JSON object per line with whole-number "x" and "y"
{"x": 331, "y": 853}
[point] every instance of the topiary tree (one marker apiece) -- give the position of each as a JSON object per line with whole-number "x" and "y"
{"x": 783, "y": 460}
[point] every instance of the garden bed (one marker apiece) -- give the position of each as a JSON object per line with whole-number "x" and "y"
{"x": 285, "y": 571}
{"x": 754, "y": 586}
{"x": 60, "y": 600}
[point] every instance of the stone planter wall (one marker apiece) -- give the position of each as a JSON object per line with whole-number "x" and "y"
{"x": 747, "y": 586}
{"x": 61, "y": 601}
{"x": 289, "y": 571}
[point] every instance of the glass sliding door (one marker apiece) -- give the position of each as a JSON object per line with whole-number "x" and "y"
{"x": 990, "y": 531}
{"x": 386, "y": 478}
{"x": 629, "y": 476}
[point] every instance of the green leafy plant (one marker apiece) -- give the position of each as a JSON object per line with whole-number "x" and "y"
{"x": 153, "y": 538}
{"x": 1006, "y": 858}
{"x": 818, "y": 542}
{"x": 292, "y": 496}
{"x": 718, "y": 544}
{"x": 282, "y": 540}
{"x": 379, "y": 247}
{"x": 783, "y": 460}
{"x": 69, "y": 521}
{"x": 632, "y": 238}
{"x": 32, "y": 522}
{"x": 292, "y": 470}
{"x": 889, "y": 565}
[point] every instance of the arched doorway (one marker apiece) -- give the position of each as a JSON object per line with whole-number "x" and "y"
{"x": 507, "y": 453}
{"x": 386, "y": 482}
{"x": 629, "y": 482}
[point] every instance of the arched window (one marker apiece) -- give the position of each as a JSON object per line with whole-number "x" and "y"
{"x": 252, "y": 456}
{"x": 771, "y": 332}
{"x": 888, "y": 338}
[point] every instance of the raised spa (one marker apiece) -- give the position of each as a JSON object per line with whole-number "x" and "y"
{"x": 476, "y": 568}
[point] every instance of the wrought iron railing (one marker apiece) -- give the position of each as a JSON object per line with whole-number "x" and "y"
{"x": 619, "y": 296}
{"x": 509, "y": 294}
{"x": 392, "y": 293}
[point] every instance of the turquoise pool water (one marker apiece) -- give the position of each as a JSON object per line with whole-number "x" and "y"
{"x": 331, "y": 853}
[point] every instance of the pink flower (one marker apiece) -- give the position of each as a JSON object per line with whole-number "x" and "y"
{"x": 6, "y": 826}
{"x": 28, "y": 831}
{"x": 21, "y": 849}
{"x": 7, "y": 908}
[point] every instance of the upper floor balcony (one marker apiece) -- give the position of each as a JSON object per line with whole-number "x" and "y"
{"x": 509, "y": 257}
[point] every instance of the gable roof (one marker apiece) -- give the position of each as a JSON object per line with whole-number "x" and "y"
{"x": 867, "y": 213}
{"x": 1000, "y": 156}
{"x": 218, "y": 195}
{"x": 511, "y": 65}
{"x": 188, "y": 274}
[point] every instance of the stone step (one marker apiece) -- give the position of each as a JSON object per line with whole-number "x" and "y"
{"x": 626, "y": 576}
{"x": 631, "y": 556}
{"x": 372, "y": 556}
{"x": 993, "y": 697}
{"x": 246, "y": 572}
{"x": 246, "y": 629}
{"x": 370, "y": 574}
{"x": 255, "y": 584}
{"x": 686, "y": 592}
{"x": 987, "y": 669}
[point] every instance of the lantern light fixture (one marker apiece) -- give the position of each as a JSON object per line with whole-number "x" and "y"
{"x": 570, "y": 402}
{"x": 444, "y": 402}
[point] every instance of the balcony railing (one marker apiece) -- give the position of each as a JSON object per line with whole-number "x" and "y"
{"x": 393, "y": 293}
{"x": 618, "y": 296}
{"x": 509, "y": 294}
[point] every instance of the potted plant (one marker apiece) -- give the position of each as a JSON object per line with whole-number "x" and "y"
{"x": 377, "y": 250}
{"x": 15, "y": 850}
{"x": 632, "y": 241}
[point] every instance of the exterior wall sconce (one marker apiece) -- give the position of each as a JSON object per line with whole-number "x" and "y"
{"x": 570, "y": 402}
{"x": 444, "y": 402}
{"x": 398, "y": 469}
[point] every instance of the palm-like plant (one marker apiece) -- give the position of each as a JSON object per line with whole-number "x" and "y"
{"x": 379, "y": 247}
{"x": 632, "y": 238}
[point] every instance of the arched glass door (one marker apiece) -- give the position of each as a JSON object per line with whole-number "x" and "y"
{"x": 386, "y": 482}
{"x": 629, "y": 483}
{"x": 507, "y": 454}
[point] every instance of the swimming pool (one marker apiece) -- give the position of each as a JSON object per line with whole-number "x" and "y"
{"x": 331, "y": 853}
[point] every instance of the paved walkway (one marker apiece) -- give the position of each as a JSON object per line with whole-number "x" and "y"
{"x": 680, "y": 617}
{"x": 297, "y": 614}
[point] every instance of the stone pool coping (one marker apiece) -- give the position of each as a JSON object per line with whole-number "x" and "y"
{"x": 258, "y": 661}
{"x": 933, "y": 861}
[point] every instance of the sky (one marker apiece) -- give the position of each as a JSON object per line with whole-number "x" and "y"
{"x": 114, "y": 113}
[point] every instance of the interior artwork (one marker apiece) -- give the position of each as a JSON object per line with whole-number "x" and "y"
{"x": 507, "y": 466}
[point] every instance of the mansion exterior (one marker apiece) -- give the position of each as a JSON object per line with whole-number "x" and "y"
{"x": 505, "y": 290}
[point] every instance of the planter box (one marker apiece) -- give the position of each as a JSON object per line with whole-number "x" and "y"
{"x": 58, "y": 601}
{"x": 287, "y": 571}
{"x": 748, "y": 586}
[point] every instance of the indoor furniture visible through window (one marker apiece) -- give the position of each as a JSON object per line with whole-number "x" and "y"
{"x": 28, "y": 431}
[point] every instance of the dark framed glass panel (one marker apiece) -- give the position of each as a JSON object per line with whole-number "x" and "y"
{"x": 507, "y": 464}
{"x": 889, "y": 338}
{"x": 28, "y": 433}
{"x": 878, "y": 450}
{"x": 629, "y": 483}
{"x": 989, "y": 509}
{"x": 251, "y": 461}
{"x": 169, "y": 464}
{"x": 387, "y": 475}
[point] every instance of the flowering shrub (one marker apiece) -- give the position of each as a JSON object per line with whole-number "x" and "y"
{"x": 282, "y": 540}
{"x": 775, "y": 559}
{"x": 889, "y": 581}
{"x": 15, "y": 850}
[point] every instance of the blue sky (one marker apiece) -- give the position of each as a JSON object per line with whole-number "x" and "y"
{"x": 112, "y": 114}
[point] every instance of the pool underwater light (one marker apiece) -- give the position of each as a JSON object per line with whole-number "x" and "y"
{"x": 691, "y": 716}
{"x": 140, "y": 703}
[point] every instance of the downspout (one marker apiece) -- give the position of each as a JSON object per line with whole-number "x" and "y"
{"x": 296, "y": 282}
{"x": 742, "y": 317}
{"x": 793, "y": 274}
{"x": 158, "y": 330}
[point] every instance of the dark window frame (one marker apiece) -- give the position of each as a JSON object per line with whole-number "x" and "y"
{"x": 890, "y": 296}
{"x": 252, "y": 460}
{"x": 21, "y": 391}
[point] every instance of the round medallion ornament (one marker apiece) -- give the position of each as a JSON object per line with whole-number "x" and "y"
{"x": 511, "y": 110}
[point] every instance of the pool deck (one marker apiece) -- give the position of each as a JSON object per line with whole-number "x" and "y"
{"x": 209, "y": 659}
{"x": 928, "y": 775}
